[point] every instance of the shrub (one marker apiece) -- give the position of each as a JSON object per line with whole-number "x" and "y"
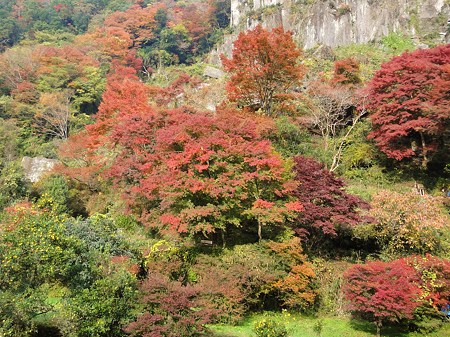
{"x": 406, "y": 223}
{"x": 239, "y": 279}
{"x": 171, "y": 309}
{"x": 382, "y": 291}
{"x": 104, "y": 308}
{"x": 269, "y": 328}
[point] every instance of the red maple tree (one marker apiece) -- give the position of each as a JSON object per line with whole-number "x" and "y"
{"x": 264, "y": 65}
{"x": 410, "y": 104}
{"x": 188, "y": 171}
{"x": 383, "y": 291}
{"x": 327, "y": 206}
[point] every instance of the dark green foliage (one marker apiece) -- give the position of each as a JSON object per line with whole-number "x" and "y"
{"x": 99, "y": 239}
{"x": 427, "y": 319}
{"x": 54, "y": 194}
{"x": 34, "y": 249}
{"x": 90, "y": 263}
{"x": 12, "y": 184}
{"x": 17, "y": 311}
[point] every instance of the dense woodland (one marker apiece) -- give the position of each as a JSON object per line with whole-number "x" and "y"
{"x": 301, "y": 181}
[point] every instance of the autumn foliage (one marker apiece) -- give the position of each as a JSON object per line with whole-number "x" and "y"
{"x": 171, "y": 309}
{"x": 203, "y": 172}
{"x": 263, "y": 67}
{"x": 383, "y": 291}
{"x": 406, "y": 223}
{"x": 187, "y": 171}
{"x": 327, "y": 207}
{"x": 410, "y": 104}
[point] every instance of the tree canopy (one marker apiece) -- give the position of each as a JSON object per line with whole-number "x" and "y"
{"x": 409, "y": 100}
{"x": 264, "y": 65}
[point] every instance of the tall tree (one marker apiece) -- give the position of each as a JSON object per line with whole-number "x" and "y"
{"x": 187, "y": 171}
{"x": 263, "y": 66}
{"x": 193, "y": 172}
{"x": 409, "y": 101}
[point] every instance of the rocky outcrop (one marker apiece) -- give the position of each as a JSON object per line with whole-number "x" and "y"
{"x": 213, "y": 72}
{"x": 334, "y": 23}
{"x": 34, "y": 168}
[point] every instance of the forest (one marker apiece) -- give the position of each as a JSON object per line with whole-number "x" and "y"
{"x": 282, "y": 193}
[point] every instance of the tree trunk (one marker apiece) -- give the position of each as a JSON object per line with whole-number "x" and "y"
{"x": 378, "y": 325}
{"x": 259, "y": 232}
{"x": 222, "y": 233}
{"x": 424, "y": 151}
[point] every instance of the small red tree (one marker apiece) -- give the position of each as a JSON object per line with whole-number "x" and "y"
{"x": 410, "y": 104}
{"x": 326, "y": 204}
{"x": 383, "y": 291}
{"x": 171, "y": 310}
{"x": 264, "y": 65}
{"x": 346, "y": 72}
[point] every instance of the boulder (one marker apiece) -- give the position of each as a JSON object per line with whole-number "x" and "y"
{"x": 213, "y": 72}
{"x": 34, "y": 168}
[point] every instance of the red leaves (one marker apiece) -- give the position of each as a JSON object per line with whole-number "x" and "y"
{"x": 391, "y": 291}
{"x": 138, "y": 22}
{"x": 326, "y": 204}
{"x": 385, "y": 291}
{"x": 264, "y": 64}
{"x": 201, "y": 169}
{"x": 187, "y": 171}
{"x": 172, "y": 309}
{"x": 409, "y": 102}
{"x": 346, "y": 72}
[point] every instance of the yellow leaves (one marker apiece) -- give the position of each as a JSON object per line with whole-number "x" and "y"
{"x": 406, "y": 223}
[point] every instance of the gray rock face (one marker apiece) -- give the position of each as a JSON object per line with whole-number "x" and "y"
{"x": 213, "y": 72}
{"x": 334, "y": 23}
{"x": 36, "y": 167}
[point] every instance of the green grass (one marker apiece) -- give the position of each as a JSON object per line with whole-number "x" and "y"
{"x": 301, "y": 326}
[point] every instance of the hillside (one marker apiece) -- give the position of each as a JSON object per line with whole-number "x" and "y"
{"x": 215, "y": 168}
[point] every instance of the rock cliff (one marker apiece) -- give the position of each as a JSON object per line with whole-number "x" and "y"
{"x": 334, "y": 23}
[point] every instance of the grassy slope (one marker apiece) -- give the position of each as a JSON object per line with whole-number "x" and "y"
{"x": 299, "y": 326}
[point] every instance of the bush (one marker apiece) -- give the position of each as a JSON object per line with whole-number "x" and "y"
{"x": 269, "y": 328}
{"x": 104, "y": 308}
{"x": 289, "y": 138}
{"x": 171, "y": 309}
{"x": 406, "y": 224}
{"x": 239, "y": 279}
